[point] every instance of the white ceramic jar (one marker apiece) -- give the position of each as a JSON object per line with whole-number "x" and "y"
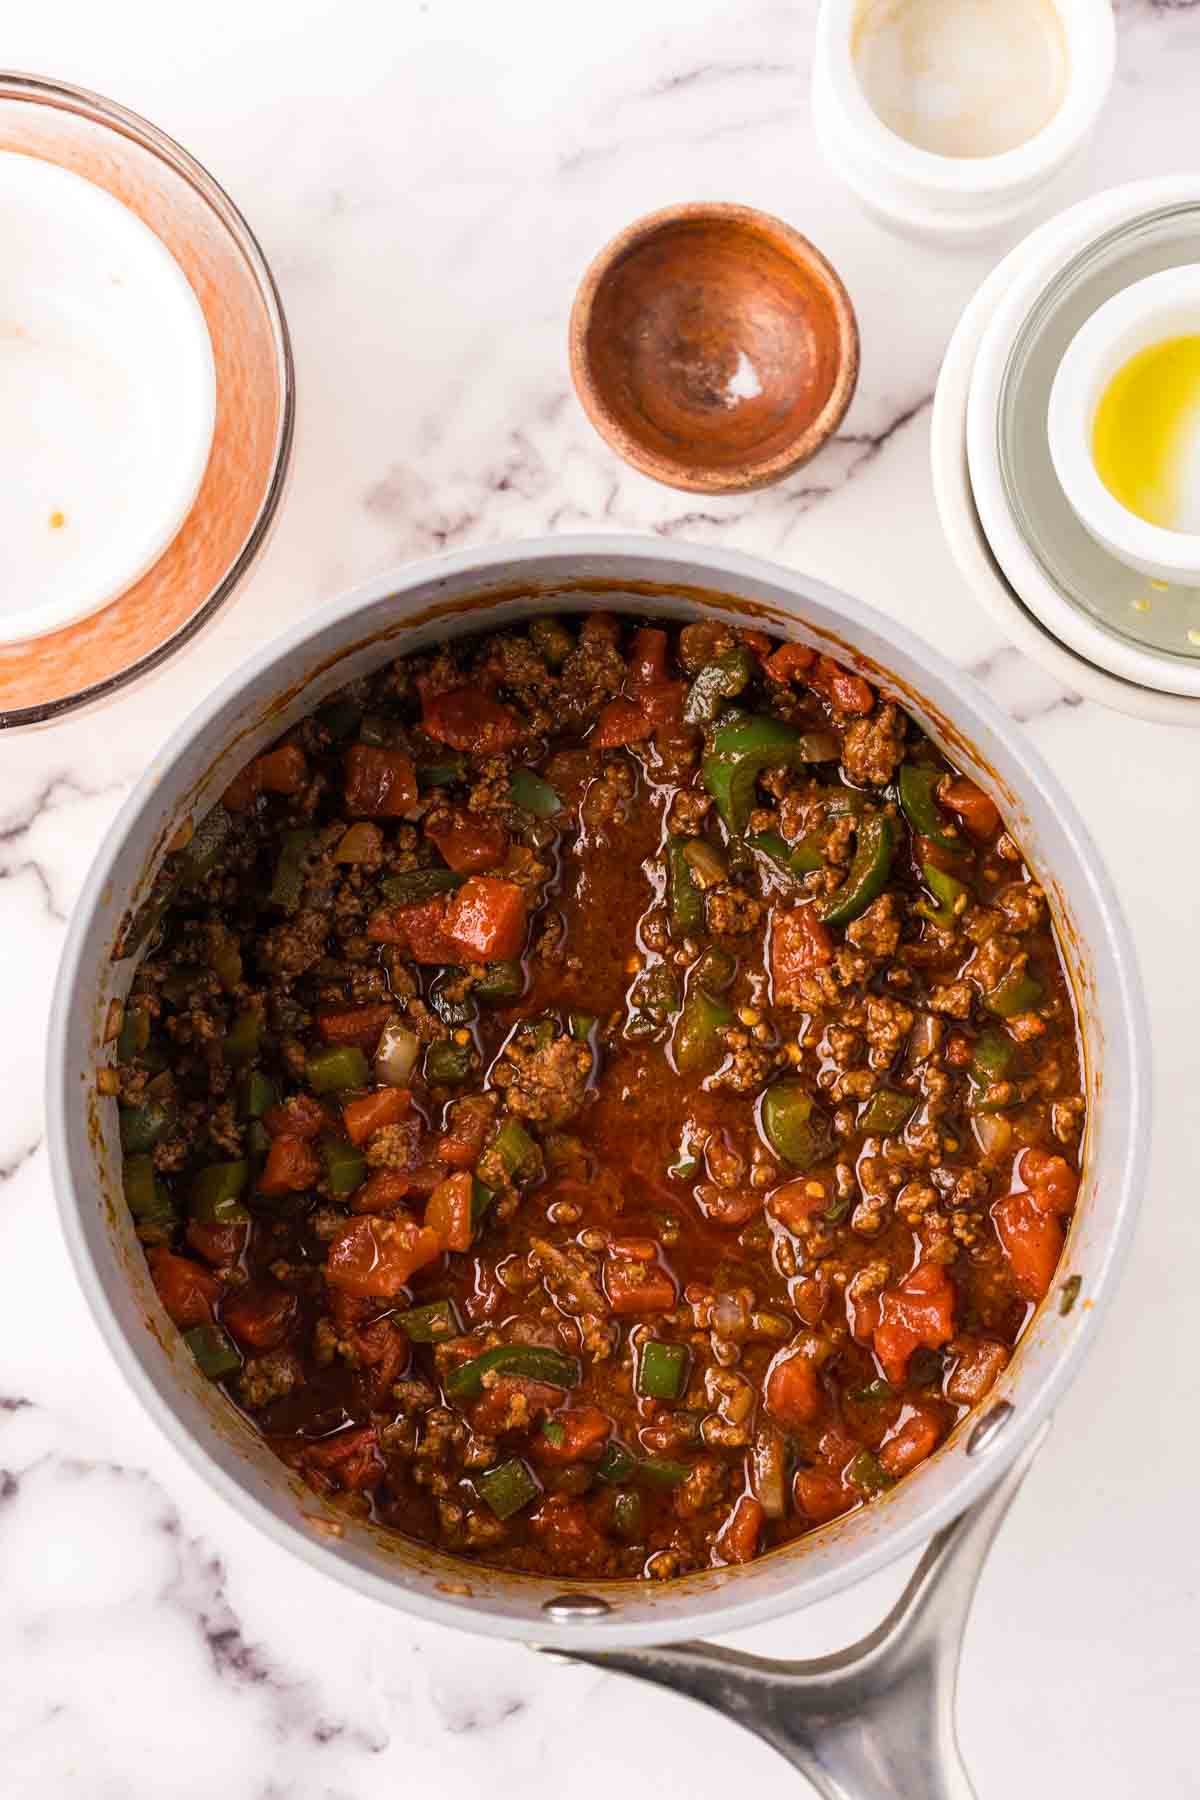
{"x": 954, "y": 198}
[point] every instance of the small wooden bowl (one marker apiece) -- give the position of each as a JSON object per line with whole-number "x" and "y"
{"x": 713, "y": 347}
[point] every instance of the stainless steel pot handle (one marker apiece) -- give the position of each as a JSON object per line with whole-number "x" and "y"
{"x": 876, "y": 1721}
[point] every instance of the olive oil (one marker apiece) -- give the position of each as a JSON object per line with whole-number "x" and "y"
{"x": 1146, "y": 434}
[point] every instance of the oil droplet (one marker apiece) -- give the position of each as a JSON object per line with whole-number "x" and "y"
{"x": 57, "y": 520}
{"x": 1146, "y": 435}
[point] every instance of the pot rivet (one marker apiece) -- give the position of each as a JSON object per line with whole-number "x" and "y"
{"x": 989, "y": 1427}
{"x": 567, "y": 1608}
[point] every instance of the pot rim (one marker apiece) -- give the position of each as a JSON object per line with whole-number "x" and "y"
{"x": 522, "y": 558}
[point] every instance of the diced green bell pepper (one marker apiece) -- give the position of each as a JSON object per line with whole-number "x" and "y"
{"x": 1019, "y": 992}
{"x": 528, "y": 1360}
{"x": 950, "y": 894}
{"x": 431, "y": 1324}
{"x": 516, "y": 1150}
{"x": 794, "y": 859}
{"x": 743, "y": 746}
{"x": 288, "y": 883}
{"x": 718, "y": 681}
{"x": 201, "y": 856}
{"x": 662, "y": 1370}
{"x": 142, "y": 1126}
{"x": 868, "y": 1475}
{"x": 339, "y": 719}
{"x": 501, "y": 981}
{"x": 415, "y": 885}
{"x": 134, "y": 1034}
{"x": 507, "y": 1487}
{"x": 617, "y": 1463}
{"x": 686, "y": 900}
{"x": 918, "y": 788}
{"x": 580, "y": 1026}
{"x": 345, "y": 1166}
{"x": 662, "y": 1471}
{"x": 992, "y": 1056}
{"x": 715, "y": 970}
{"x": 481, "y": 1198}
{"x": 242, "y": 1038}
{"x": 448, "y": 1064}
{"x": 697, "y": 1045}
{"x": 875, "y": 845}
{"x": 256, "y": 1095}
{"x": 887, "y": 1110}
{"x": 145, "y": 1195}
{"x": 533, "y": 795}
{"x": 627, "y": 1515}
{"x": 214, "y": 1352}
{"x": 792, "y": 1125}
{"x": 340, "y": 1066}
{"x": 442, "y": 771}
{"x": 215, "y": 1196}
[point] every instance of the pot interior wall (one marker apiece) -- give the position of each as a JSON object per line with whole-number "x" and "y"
{"x": 356, "y": 636}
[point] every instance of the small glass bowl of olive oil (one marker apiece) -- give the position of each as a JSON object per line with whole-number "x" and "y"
{"x": 1124, "y": 425}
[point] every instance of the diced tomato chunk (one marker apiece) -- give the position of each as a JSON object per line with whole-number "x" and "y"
{"x": 585, "y": 1431}
{"x": 849, "y": 693}
{"x": 797, "y": 1201}
{"x": 737, "y": 1540}
{"x": 380, "y": 783}
{"x": 793, "y": 1390}
{"x": 359, "y": 1025}
{"x": 634, "y": 1286}
{"x": 662, "y": 704}
{"x": 291, "y": 1166}
{"x": 219, "y": 1245}
{"x": 980, "y": 1361}
{"x": 620, "y": 722}
{"x": 380, "y": 1192}
{"x": 282, "y": 771}
{"x": 259, "y": 1317}
{"x": 468, "y": 1125}
{"x": 300, "y": 1116}
{"x": 790, "y": 661}
{"x": 1031, "y": 1239}
{"x": 469, "y": 844}
{"x": 373, "y": 1257}
{"x": 421, "y": 929}
{"x": 821, "y": 1496}
{"x": 648, "y": 656}
{"x": 468, "y": 719}
{"x": 1052, "y": 1182}
{"x": 800, "y": 943}
{"x": 566, "y": 1534}
{"x": 350, "y": 1459}
{"x": 448, "y": 1211}
{"x": 980, "y": 815}
{"x": 918, "y": 1311}
{"x": 915, "y": 1438}
{"x": 364, "y": 1117}
{"x": 757, "y": 641}
{"x": 512, "y": 1403}
{"x": 485, "y": 920}
{"x": 862, "y": 1315}
{"x": 186, "y": 1290}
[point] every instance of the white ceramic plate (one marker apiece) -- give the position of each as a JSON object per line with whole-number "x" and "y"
{"x": 1082, "y": 594}
{"x": 952, "y": 481}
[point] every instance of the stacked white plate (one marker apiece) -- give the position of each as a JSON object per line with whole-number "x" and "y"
{"x": 1095, "y": 624}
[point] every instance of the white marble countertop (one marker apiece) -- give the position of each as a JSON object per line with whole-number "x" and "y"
{"x": 429, "y": 178}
